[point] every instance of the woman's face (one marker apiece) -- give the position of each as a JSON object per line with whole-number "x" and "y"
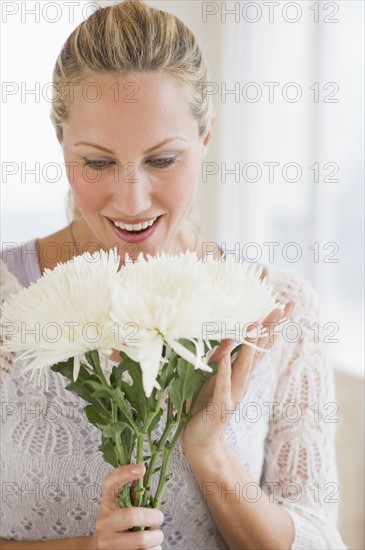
{"x": 133, "y": 153}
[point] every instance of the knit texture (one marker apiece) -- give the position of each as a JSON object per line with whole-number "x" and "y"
{"x": 283, "y": 434}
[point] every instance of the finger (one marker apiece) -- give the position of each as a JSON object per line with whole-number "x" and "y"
{"x": 121, "y": 520}
{"x": 275, "y": 324}
{"x": 141, "y": 539}
{"x": 248, "y": 357}
{"x": 289, "y": 309}
{"x": 136, "y": 540}
{"x": 221, "y": 349}
{"x": 241, "y": 372}
{"x": 113, "y": 483}
{"x": 272, "y": 325}
{"x": 222, "y": 386}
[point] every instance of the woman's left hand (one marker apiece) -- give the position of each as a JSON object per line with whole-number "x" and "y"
{"x": 221, "y": 395}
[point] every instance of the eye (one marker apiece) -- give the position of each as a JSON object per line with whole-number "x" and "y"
{"x": 163, "y": 162}
{"x": 98, "y": 164}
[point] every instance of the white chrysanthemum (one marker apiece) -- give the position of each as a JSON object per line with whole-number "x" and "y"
{"x": 180, "y": 297}
{"x": 66, "y": 313}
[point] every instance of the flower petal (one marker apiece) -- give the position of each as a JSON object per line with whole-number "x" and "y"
{"x": 186, "y": 354}
{"x": 148, "y": 353}
{"x": 76, "y": 367}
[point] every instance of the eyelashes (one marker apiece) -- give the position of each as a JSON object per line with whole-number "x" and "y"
{"x": 163, "y": 162}
{"x": 100, "y": 165}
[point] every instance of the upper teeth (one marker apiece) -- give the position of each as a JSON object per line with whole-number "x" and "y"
{"x": 135, "y": 227}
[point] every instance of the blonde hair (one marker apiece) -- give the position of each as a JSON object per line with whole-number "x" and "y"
{"x": 131, "y": 37}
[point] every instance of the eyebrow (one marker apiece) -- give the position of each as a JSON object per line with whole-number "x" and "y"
{"x": 145, "y": 153}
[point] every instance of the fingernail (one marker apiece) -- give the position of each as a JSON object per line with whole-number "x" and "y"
{"x": 278, "y": 317}
{"x": 137, "y": 469}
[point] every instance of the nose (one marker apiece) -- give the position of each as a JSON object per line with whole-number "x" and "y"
{"x": 133, "y": 192}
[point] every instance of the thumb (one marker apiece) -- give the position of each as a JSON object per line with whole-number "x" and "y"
{"x": 114, "y": 482}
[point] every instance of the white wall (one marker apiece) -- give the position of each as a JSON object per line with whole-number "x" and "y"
{"x": 292, "y": 43}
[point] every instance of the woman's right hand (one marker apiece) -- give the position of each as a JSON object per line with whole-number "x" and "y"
{"x": 113, "y": 523}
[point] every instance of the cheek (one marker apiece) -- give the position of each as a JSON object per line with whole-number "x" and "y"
{"x": 183, "y": 186}
{"x": 87, "y": 188}
{"x": 179, "y": 195}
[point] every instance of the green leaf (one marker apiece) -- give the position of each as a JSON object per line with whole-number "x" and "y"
{"x": 87, "y": 392}
{"x": 134, "y": 392}
{"x": 189, "y": 380}
{"x": 107, "y": 447}
{"x": 114, "y": 429}
{"x": 96, "y": 385}
{"x": 116, "y": 375}
{"x": 124, "y": 406}
{"x": 122, "y": 433}
{"x": 128, "y": 438}
{"x": 168, "y": 371}
{"x": 66, "y": 368}
{"x": 96, "y": 417}
{"x": 83, "y": 385}
{"x": 101, "y": 393}
{"x": 83, "y": 390}
{"x": 93, "y": 357}
{"x": 156, "y": 419}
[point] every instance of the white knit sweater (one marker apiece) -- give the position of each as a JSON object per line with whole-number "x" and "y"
{"x": 282, "y": 434}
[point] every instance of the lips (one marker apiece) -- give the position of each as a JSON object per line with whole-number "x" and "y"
{"x": 135, "y": 233}
{"x": 136, "y": 226}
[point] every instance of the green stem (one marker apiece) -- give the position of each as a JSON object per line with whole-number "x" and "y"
{"x": 123, "y": 499}
{"x": 155, "y": 412}
{"x": 155, "y": 452}
{"x": 151, "y": 467}
{"x": 118, "y": 445}
{"x": 180, "y": 428}
{"x": 95, "y": 360}
{"x": 121, "y": 405}
{"x": 164, "y": 479}
{"x": 181, "y": 419}
{"x": 168, "y": 450}
{"x": 140, "y": 490}
{"x": 94, "y": 357}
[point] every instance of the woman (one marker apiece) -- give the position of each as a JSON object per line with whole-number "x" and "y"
{"x": 134, "y": 127}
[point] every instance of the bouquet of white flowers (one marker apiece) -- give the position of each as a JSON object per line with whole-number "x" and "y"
{"x": 165, "y": 315}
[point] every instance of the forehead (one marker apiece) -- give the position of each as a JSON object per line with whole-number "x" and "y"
{"x": 108, "y": 105}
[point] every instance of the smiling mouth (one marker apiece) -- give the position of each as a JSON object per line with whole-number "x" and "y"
{"x": 136, "y": 229}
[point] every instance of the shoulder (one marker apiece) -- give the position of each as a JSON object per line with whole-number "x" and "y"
{"x": 21, "y": 260}
{"x": 8, "y": 286}
{"x": 8, "y": 282}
